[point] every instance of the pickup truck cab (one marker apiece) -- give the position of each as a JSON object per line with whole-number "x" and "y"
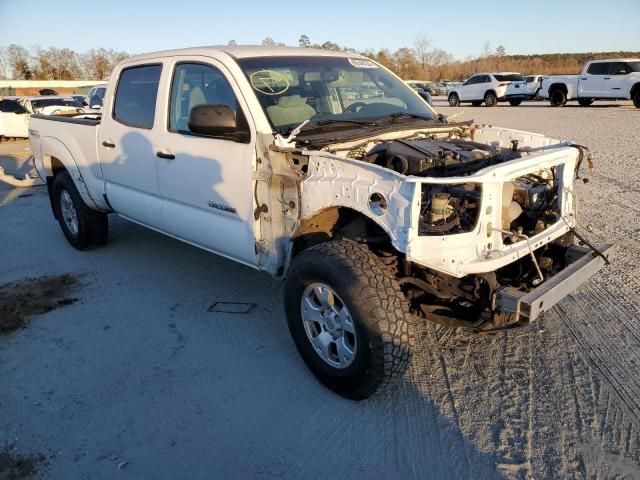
{"x": 376, "y": 212}
{"x": 616, "y": 79}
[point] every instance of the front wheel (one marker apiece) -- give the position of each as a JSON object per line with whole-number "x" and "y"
{"x": 490, "y": 99}
{"x": 515, "y": 103}
{"x": 82, "y": 226}
{"x": 348, "y": 317}
{"x": 454, "y": 100}
{"x": 636, "y": 99}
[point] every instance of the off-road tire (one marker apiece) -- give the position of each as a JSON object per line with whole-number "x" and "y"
{"x": 93, "y": 227}
{"x": 490, "y": 99}
{"x": 585, "y": 102}
{"x": 515, "y": 103}
{"x": 476, "y": 103}
{"x": 636, "y": 98}
{"x": 557, "y": 98}
{"x": 377, "y": 306}
{"x": 454, "y": 100}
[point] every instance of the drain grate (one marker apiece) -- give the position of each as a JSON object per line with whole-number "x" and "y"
{"x": 232, "y": 307}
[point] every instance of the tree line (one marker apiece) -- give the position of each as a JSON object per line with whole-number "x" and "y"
{"x": 37, "y": 63}
{"x": 421, "y": 61}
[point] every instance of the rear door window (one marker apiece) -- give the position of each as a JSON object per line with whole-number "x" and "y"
{"x": 11, "y": 106}
{"x": 135, "y": 103}
{"x": 619, "y": 68}
{"x": 601, "y": 68}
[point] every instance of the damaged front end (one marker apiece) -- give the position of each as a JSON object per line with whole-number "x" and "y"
{"x": 481, "y": 219}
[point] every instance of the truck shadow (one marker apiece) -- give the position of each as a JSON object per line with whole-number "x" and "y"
{"x": 269, "y": 412}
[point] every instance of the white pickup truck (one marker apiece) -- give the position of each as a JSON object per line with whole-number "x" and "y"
{"x": 377, "y": 212}
{"x": 616, "y": 79}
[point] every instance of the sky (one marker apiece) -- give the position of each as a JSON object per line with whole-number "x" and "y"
{"x": 460, "y": 27}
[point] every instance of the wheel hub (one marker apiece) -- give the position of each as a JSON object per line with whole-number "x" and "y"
{"x": 328, "y": 325}
{"x": 68, "y": 211}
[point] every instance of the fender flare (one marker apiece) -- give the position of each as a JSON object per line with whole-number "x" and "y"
{"x": 54, "y": 148}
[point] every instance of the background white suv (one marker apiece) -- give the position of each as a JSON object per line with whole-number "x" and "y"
{"x": 487, "y": 88}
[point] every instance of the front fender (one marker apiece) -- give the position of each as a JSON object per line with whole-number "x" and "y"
{"x": 340, "y": 182}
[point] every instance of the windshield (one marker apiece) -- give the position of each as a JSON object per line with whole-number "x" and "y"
{"x": 328, "y": 90}
{"x": 40, "y": 104}
{"x": 510, "y": 78}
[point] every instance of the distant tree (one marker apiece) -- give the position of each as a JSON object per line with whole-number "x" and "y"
{"x": 500, "y": 51}
{"x": 4, "y": 63}
{"x": 485, "y": 50}
{"x": 405, "y": 63}
{"x": 331, "y": 46}
{"x": 423, "y": 50}
{"x": 56, "y": 64}
{"x": 232, "y": 42}
{"x": 304, "y": 41}
{"x": 269, "y": 42}
{"x": 97, "y": 64}
{"x": 19, "y": 62}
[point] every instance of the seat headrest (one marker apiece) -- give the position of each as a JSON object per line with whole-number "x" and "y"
{"x": 291, "y": 101}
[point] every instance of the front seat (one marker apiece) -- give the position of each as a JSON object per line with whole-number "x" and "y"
{"x": 289, "y": 110}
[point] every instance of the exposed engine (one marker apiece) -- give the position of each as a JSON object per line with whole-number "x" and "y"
{"x": 529, "y": 203}
{"x": 432, "y": 158}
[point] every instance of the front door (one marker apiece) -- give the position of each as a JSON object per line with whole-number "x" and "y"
{"x": 205, "y": 182}
{"x": 591, "y": 85}
{"x": 125, "y": 149}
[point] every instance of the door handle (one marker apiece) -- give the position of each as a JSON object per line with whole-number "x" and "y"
{"x": 165, "y": 154}
{"x": 607, "y": 78}
{"x": 584, "y": 78}
{"x": 108, "y": 144}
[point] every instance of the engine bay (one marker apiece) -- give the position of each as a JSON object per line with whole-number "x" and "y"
{"x": 529, "y": 203}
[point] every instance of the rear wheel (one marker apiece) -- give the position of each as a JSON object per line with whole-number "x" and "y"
{"x": 557, "y": 98}
{"x": 490, "y": 99}
{"x": 454, "y": 100}
{"x": 585, "y": 102}
{"x": 636, "y": 98}
{"x": 82, "y": 226}
{"x": 515, "y": 103}
{"x": 348, "y": 317}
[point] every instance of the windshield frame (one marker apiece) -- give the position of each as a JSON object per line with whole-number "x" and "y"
{"x": 249, "y": 65}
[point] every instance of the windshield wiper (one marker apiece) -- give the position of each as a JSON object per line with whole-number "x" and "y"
{"x": 398, "y": 115}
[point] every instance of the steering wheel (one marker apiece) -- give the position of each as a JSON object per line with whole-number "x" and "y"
{"x": 354, "y": 107}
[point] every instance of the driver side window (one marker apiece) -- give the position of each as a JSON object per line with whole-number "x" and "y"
{"x": 197, "y": 84}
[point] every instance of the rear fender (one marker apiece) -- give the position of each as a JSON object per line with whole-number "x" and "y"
{"x": 55, "y": 153}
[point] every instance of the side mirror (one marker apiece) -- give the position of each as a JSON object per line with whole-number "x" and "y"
{"x": 219, "y": 121}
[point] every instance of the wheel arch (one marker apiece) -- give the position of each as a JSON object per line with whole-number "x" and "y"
{"x": 558, "y": 86}
{"x": 57, "y": 158}
{"x": 333, "y": 223}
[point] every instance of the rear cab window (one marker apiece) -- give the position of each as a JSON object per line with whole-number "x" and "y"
{"x": 136, "y": 95}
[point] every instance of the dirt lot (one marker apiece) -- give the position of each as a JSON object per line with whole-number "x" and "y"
{"x": 139, "y": 379}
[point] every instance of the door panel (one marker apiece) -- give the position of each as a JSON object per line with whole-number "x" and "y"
{"x": 591, "y": 84}
{"x": 615, "y": 84}
{"x": 207, "y": 187}
{"x": 125, "y": 147}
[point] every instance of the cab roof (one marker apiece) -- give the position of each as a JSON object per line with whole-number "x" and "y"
{"x": 246, "y": 51}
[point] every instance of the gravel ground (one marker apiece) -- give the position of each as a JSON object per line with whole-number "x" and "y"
{"x": 137, "y": 379}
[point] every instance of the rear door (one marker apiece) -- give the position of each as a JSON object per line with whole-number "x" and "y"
{"x": 206, "y": 182}
{"x": 592, "y": 84}
{"x": 125, "y": 146}
{"x": 615, "y": 84}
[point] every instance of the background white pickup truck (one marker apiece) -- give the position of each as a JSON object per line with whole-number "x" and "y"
{"x": 327, "y": 170}
{"x": 617, "y": 79}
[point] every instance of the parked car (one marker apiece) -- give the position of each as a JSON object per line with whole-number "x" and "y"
{"x": 96, "y": 96}
{"x": 526, "y": 89}
{"x": 615, "y": 79}
{"x": 422, "y": 89}
{"x": 438, "y": 89}
{"x": 52, "y": 105}
{"x": 14, "y": 118}
{"x": 376, "y": 215}
{"x": 487, "y": 88}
